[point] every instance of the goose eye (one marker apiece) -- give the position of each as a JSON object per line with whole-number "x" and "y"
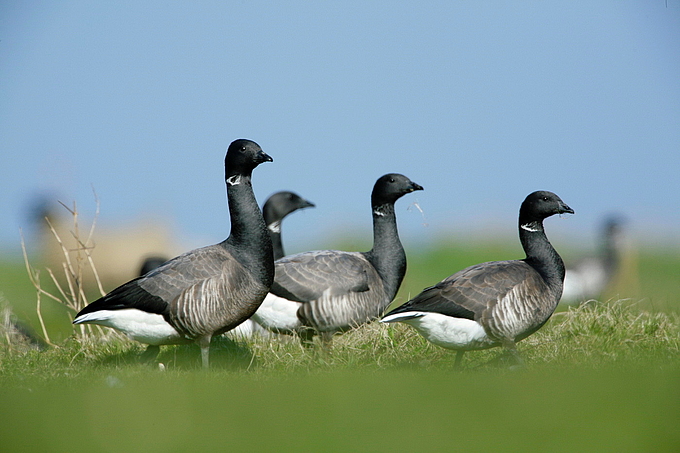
{"x": 545, "y": 198}
{"x": 391, "y": 179}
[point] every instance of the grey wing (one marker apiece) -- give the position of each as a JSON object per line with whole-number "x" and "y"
{"x": 307, "y": 276}
{"x": 207, "y": 291}
{"x": 175, "y": 276}
{"x": 468, "y": 293}
{"x": 522, "y": 310}
{"x": 507, "y": 297}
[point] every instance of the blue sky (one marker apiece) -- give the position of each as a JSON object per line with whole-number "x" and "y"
{"x": 479, "y": 102}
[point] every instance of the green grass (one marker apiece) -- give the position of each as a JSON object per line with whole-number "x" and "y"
{"x": 600, "y": 377}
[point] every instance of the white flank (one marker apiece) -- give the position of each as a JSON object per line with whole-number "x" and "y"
{"x": 445, "y": 331}
{"x": 248, "y": 329}
{"x": 278, "y": 314}
{"x": 148, "y": 328}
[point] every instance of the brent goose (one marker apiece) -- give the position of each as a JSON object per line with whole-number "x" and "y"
{"x": 496, "y": 303}
{"x": 206, "y": 291}
{"x": 329, "y": 291}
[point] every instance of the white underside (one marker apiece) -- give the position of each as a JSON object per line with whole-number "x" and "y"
{"x": 445, "y": 331}
{"x": 278, "y": 314}
{"x": 249, "y": 329}
{"x": 148, "y": 328}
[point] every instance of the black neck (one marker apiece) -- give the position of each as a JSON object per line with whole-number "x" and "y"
{"x": 273, "y": 223}
{"x": 387, "y": 255}
{"x": 249, "y": 240}
{"x": 541, "y": 255}
{"x": 277, "y": 244}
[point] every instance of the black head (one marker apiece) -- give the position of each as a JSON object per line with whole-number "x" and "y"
{"x": 243, "y": 156}
{"x": 280, "y": 204}
{"x": 541, "y": 204}
{"x": 390, "y": 187}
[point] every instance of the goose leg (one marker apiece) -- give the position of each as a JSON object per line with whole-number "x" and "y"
{"x": 204, "y": 343}
{"x": 513, "y": 355}
{"x": 307, "y": 337}
{"x": 459, "y": 359}
{"x": 326, "y": 341}
{"x": 150, "y": 354}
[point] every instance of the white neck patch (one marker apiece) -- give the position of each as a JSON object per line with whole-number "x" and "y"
{"x": 378, "y": 212}
{"x": 275, "y": 227}
{"x": 531, "y": 227}
{"x": 234, "y": 180}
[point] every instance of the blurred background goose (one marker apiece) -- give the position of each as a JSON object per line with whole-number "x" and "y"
{"x": 497, "y": 303}
{"x": 206, "y": 291}
{"x": 589, "y": 277}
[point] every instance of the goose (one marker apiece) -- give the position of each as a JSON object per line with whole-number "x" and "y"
{"x": 206, "y": 291}
{"x": 274, "y": 210}
{"x": 328, "y": 291}
{"x": 589, "y": 277}
{"x": 497, "y": 303}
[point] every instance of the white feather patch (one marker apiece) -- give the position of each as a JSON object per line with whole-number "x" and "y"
{"x": 148, "y": 328}
{"x": 275, "y": 227}
{"x": 445, "y": 331}
{"x": 248, "y": 329}
{"x": 278, "y": 314}
{"x": 234, "y": 180}
{"x": 530, "y": 228}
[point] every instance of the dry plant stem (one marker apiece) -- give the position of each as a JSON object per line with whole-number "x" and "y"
{"x": 34, "y": 276}
{"x": 73, "y": 266}
{"x": 90, "y": 240}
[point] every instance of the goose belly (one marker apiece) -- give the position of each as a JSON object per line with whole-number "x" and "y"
{"x": 148, "y": 328}
{"x": 278, "y": 314}
{"x": 447, "y": 331}
{"x": 248, "y": 329}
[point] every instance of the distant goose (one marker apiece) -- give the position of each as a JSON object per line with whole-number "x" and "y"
{"x": 497, "y": 303}
{"x": 589, "y": 277}
{"x": 206, "y": 291}
{"x": 275, "y": 209}
{"x": 330, "y": 291}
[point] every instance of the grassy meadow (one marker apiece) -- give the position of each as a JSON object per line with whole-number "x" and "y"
{"x": 604, "y": 376}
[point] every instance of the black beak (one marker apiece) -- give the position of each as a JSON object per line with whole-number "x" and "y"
{"x": 415, "y": 186}
{"x": 564, "y": 209}
{"x": 263, "y": 157}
